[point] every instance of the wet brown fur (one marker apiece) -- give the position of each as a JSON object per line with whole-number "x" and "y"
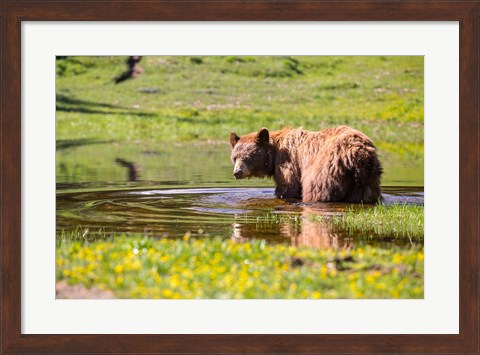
{"x": 333, "y": 165}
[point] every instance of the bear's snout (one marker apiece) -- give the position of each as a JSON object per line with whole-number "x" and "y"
{"x": 238, "y": 174}
{"x": 240, "y": 170}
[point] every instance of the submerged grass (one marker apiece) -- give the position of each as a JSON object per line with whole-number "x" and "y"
{"x": 139, "y": 267}
{"x": 271, "y": 217}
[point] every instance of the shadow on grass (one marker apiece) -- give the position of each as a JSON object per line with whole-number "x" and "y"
{"x": 69, "y": 104}
{"x": 62, "y": 144}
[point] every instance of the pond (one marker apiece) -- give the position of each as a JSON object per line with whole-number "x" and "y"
{"x": 167, "y": 190}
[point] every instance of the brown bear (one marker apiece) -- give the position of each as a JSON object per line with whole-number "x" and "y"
{"x": 333, "y": 165}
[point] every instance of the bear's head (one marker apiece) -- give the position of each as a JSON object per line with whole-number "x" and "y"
{"x": 252, "y": 155}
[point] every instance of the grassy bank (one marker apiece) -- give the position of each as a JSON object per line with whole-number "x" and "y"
{"x": 201, "y": 98}
{"x": 397, "y": 221}
{"x": 137, "y": 267}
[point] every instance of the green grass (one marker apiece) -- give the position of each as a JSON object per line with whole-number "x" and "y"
{"x": 184, "y": 98}
{"x": 398, "y": 220}
{"x": 138, "y": 267}
{"x": 271, "y": 217}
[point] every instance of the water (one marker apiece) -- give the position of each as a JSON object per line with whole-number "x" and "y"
{"x": 169, "y": 190}
{"x": 237, "y": 213}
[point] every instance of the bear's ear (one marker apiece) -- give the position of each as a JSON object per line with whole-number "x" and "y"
{"x": 263, "y": 136}
{"x": 233, "y": 139}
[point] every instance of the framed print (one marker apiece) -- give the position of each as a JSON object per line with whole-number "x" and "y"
{"x": 128, "y": 132}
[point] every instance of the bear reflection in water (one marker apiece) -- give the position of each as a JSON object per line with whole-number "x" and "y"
{"x": 319, "y": 234}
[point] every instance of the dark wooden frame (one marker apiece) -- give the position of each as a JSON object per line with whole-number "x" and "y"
{"x": 14, "y": 12}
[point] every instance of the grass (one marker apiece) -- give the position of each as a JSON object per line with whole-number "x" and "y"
{"x": 199, "y": 98}
{"x": 139, "y": 267}
{"x": 398, "y": 220}
{"x": 271, "y": 217}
